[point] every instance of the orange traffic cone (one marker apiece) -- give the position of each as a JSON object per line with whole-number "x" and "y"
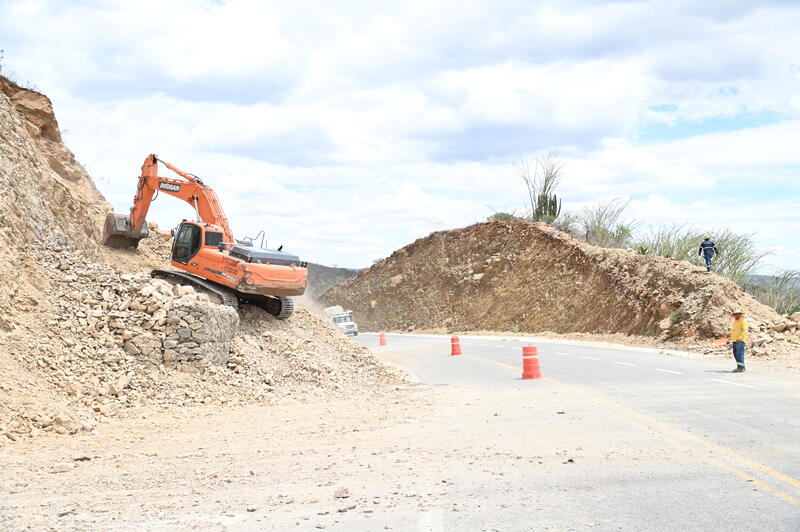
{"x": 530, "y": 363}
{"x": 455, "y": 346}
{"x": 381, "y": 339}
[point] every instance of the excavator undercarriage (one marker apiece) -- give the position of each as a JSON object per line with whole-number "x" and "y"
{"x": 279, "y": 306}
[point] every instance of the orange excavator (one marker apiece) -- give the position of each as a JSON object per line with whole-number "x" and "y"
{"x": 205, "y": 251}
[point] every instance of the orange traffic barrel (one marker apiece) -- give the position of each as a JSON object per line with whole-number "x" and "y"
{"x": 530, "y": 363}
{"x": 381, "y": 339}
{"x": 455, "y": 346}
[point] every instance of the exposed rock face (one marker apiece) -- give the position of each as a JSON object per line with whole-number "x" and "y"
{"x": 48, "y": 198}
{"x": 530, "y": 277}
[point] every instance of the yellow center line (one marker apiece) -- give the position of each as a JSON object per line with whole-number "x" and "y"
{"x": 617, "y": 409}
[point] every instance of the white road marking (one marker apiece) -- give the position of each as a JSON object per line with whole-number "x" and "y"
{"x": 563, "y": 354}
{"x": 625, "y": 363}
{"x": 669, "y": 371}
{"x": 590, "y": 358}
{"x": 734, "y": 383}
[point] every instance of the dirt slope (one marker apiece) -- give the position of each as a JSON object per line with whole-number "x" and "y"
{"x": 530, "y": 277}
{"x": 86, "y": 335}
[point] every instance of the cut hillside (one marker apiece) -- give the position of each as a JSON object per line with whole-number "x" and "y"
{"x": 528, "y": 277}
{"x": 85, "y": 334}
{"x": 48, "y": 198}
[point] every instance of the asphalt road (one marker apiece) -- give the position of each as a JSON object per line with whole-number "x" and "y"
{"x": 730, "y": 442}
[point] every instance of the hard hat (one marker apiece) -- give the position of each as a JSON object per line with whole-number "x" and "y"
{"x": 737, "y": 310}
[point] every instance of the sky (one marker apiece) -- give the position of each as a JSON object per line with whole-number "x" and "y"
{"x": 348, "y": 129}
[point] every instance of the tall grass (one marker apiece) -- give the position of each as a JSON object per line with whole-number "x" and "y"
{"x": 780, "y": 292}
{"x": 737, "y": 257}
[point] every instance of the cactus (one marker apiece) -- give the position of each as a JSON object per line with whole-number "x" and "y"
{"x": 548, "y": 207}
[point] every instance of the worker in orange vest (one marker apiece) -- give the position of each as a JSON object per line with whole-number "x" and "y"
{"x": 738, "y": 336}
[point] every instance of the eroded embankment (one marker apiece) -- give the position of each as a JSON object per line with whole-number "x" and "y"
{"x": 530, "y": 277}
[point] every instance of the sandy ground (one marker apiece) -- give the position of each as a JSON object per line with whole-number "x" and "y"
{"x": 531, "y": 457}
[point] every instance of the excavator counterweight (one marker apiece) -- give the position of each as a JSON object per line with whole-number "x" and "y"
{"x": 211, "y": 259}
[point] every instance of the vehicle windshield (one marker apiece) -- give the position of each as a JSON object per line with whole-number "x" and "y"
{"x": 342, "y": 319}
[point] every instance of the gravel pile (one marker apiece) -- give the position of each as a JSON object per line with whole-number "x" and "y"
{"x": 107, "y": 342}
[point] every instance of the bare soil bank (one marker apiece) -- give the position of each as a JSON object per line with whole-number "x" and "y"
{"x": 529, "y": 277}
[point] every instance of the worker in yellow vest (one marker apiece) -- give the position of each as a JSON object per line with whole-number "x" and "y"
{"x": 738, "y": 337}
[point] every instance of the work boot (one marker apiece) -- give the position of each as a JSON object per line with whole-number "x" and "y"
{"x": 739, "y": 369}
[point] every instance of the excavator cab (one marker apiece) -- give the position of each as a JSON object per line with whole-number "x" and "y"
{"x": 187, "y": 242}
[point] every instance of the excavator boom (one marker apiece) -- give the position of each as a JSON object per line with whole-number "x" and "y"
{"x": 125, "y": 231}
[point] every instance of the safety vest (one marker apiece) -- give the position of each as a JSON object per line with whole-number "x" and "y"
{"x": 739, "y": 330}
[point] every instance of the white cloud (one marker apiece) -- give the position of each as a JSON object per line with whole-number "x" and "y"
{"x": 397, "y": 119}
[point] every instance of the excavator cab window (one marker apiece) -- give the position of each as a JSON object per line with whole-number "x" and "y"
{"x": 213, "y": 239}
{"x": 187, "y": 243}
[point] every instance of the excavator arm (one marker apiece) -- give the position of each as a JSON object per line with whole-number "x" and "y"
{"x": 124, "y": 231}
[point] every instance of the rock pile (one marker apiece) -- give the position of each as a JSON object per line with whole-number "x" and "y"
{"x": 782, "y": 334}
{"x": 108, "y": 341}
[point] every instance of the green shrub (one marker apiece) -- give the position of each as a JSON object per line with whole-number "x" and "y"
{"x": 677, "y": 315}
{"x": 501, "y": 217}
{"x": 603, "y": 225}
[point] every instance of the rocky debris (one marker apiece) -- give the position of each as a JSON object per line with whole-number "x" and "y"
{"x": 62, "y": 468}
{"x": 153, "y": 253}
{"x": 529, "y": 277}
{"x": 107, "y": 341}
{"x": 769, "y": 339}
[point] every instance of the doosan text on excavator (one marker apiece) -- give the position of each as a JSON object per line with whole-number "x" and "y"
{"x": 205, "y": 250}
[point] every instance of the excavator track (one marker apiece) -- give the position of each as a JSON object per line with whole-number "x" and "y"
{"x": 279, "y": 306}
{"x": 227, "y": 295}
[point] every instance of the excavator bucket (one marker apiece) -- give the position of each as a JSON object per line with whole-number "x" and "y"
{"x": 117, "y": 232}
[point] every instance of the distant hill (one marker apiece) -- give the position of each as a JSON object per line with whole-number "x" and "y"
{"x": 321, "y": 278}
{"x": 762, "y": 280}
